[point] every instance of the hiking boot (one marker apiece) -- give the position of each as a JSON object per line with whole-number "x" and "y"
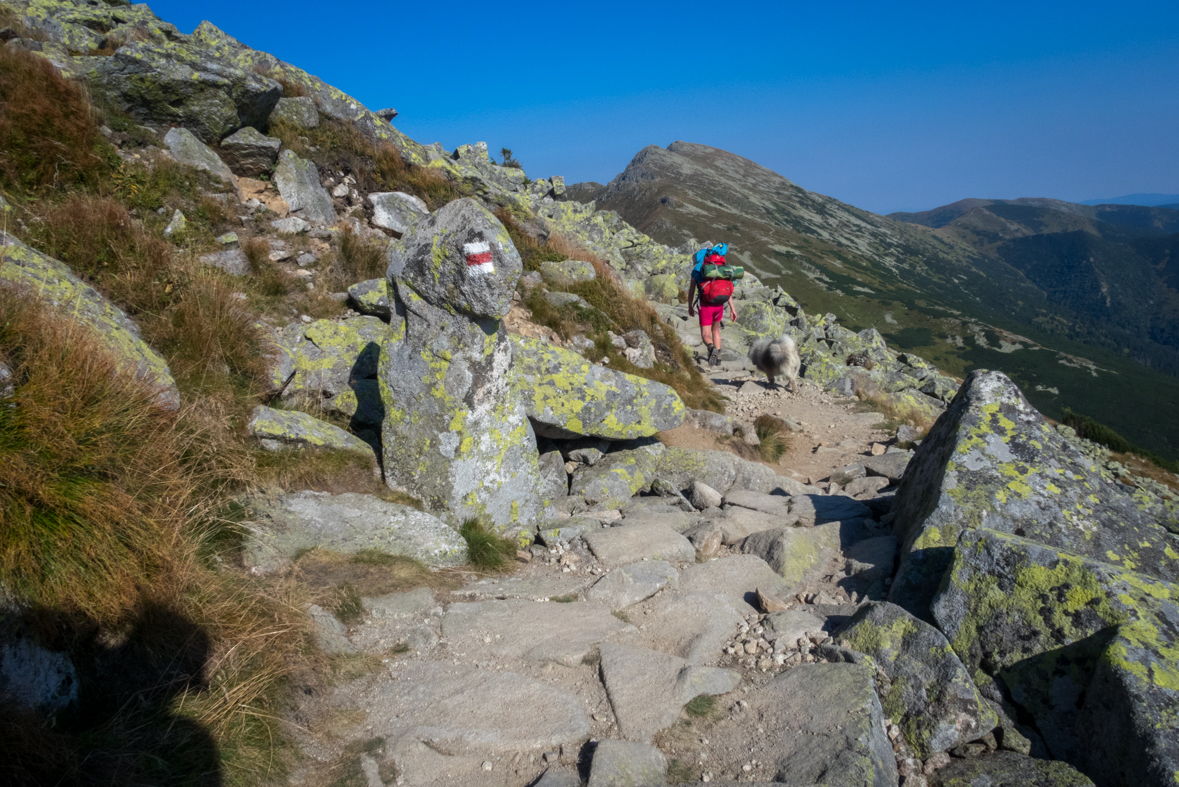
{"x": 714, "y": 357}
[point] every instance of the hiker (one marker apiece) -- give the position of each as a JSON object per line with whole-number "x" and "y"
{"x": 713, "y": 279}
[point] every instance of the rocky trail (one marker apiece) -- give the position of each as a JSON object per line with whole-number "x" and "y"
{"x": 647, "y": 630}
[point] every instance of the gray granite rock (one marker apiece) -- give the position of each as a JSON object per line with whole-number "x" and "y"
{"x": 396, "y": 211}
{"x": 627, "y": 764}
{"x": 298, "y": 182}
{"x": 188, "y": 149}
{"x": 299, "y": 112}
{"x": 456, "y": 433}
{"x": 932, "y": 697}
{"x": 249, "y": 153}
{"x": 633, "y": 583}
{"x": 285, "y": 524}
{"x": 616, "y": 546}
{"x": 648, "y": 689}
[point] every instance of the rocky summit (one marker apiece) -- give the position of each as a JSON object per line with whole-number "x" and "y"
{"x": 464, "y": 503}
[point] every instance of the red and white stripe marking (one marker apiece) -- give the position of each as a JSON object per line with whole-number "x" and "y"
{"x": 478, "y": 257}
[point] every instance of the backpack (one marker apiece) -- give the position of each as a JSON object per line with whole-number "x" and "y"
{"x": 716, "y": 290}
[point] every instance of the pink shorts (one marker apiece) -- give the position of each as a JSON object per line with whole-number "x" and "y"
{"x": 711, "y": 314}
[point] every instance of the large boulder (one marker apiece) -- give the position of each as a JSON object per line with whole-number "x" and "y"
{"x": 456, "y": 433}
{"x": 333, "y": 365}
{"x": 1008, "y": 769}
{"x": 931, "y": 696}
{"x": 187, "y": 85}
{"x": 396, "y": 211}
{"x": 279, "y": 429}
{"x": 55, "y": 284}
{"x": 250, "y": 153}
{"x": 299, "y": 112}
{"x": 1086, "y": 648}
{"x": 285, "y": 525}
{"x": 186, "y": 148}
{"x": 298, "y": 183}
{"x": 824, "y": 726}
{"x": 993, "y": 461}
{"x": 567, "y": 396}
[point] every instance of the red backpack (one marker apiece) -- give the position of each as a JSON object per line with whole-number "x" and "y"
{"x": 714, "y": 292}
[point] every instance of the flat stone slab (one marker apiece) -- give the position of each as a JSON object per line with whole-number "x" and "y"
{"x": 534, "y": 631}
{"x": 791, "y": 625}
{"x": 693, "y": 626}
{"x": 400, "y": 605}
{"x": 795, "y": 553}
{"x": 469, "y": 710}
{"x": 890, "y": 466}
{"x": 778, "y": 505}
{"x": 819, "y": 509}
{"x": 626, "y": 764}
{"x": 737, "y": 578}
{"x": 648, "y": 689}
{"x": 824, "y": 720}
{"x": 537, "y": 588}
{"x": 741, "y": 522}
{"x": 631, "y": 584}
{"x": 287, "y": 523}
{"x": 617, "y": 546}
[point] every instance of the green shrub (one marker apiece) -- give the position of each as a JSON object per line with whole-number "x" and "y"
{"x": 1101, "y": 434}
{"x": 485, "y": 549}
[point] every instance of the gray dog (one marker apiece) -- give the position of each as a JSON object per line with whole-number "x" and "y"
{"x": 777, "y": 358}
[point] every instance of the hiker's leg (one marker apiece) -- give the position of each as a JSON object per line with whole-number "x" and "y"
{"x": 716, "y": 334}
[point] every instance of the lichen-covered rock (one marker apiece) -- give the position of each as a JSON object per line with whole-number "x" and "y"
{"x": 1008, "y": 769}
{"x": 232, "y": 261}
{"x": 1088, "y": 649}
{"x": 931, "y": 697}
{"x": 626, "y": 764}
{"x": 721, "y": 470}
{"x": 618, "y": 475}
{"x": 456, "y": 433}
{"x": 298, "y": 183}
{"x": 795, "y": 553}
{"x": 299, "y": 112}
{"x": 567, "y": 396}
{"x": 826, "y": 726}
{"x": 372, "y": 297}
{"x": 395, "y": 211}
{"x": 249, "y": 153}
{"x": 84, "y": 26}
{"x": 176, "y": 82}
{"x": 992, "y": 460}
{"x": 186, "y": 148}
{"x": 567, "y": 273}
{"x": 326, "y": 358}
{"x": 278, "y": 429}
{"x": 55, "y": 284}
{"x": 33, "y": 676}
{"x": 286, "y": 524}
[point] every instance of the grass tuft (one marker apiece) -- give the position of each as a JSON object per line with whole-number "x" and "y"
{"x": 485, "y": 549}
{"x": 774, "y": 436}
{"x": 701, "y": 706}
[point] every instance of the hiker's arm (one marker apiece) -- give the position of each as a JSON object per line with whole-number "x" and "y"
{"x": 691, "y": 297}
{"x": 732, "y": 311}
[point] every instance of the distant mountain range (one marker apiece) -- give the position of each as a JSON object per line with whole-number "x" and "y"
{"x": 1145, "y": 200}
{"x": 1063, "y": 297}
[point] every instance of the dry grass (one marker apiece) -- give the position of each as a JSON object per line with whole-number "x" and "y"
{"x": 94, "y": 493}
{"x": 110, "y": 510}
{"x": 894, "y": 411}
{"x": 48, "y": 137}
{"x": 325, "y": 470}
{"x": 377, "y": 166}
{"x": 774, "y": 438}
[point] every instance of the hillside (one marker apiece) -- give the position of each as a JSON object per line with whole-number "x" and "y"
{"x": 936, "y": 291}
{"x": 1106, "y": 265}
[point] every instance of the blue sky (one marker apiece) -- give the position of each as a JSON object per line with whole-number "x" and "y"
{"x": 887, "y": 106}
